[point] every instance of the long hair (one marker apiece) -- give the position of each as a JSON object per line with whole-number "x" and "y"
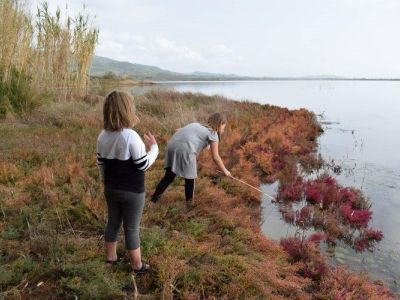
{"x": 119, "y": 111}
{"x": 215, "y": 121}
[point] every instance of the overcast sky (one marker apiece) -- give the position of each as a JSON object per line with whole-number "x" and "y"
{"x": 251, "y": 37}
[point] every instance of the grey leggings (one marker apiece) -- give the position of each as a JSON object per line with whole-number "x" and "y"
{"x": 127, "y": 207}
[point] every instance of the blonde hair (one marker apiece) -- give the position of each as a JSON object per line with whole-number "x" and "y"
{"x": 215, "y": 121}
{"x": 119, "y": 111}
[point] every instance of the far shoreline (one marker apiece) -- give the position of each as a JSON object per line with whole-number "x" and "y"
{"x": 273, "y": 79}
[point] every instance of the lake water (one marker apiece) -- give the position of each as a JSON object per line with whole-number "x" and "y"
{"x": 362, "y": 134}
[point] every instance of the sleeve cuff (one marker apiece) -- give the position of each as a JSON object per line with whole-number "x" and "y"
{"x": 154, "y": 147}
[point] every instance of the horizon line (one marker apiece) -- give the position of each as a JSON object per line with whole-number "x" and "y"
{"x": 262, "y": 77}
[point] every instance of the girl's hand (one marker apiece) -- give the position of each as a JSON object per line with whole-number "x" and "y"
{"x": 227, "y": 173}
{"x": 149, "y": 139}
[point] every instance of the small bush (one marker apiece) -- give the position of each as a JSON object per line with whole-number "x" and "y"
{"x": 13, "y": 273}
{"x": 17, "y": 94}
{"x": 91, "y": 280}
{"x": 322, "y": 204}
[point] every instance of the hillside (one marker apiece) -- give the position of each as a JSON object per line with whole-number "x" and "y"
{"x": 102, "y": 65}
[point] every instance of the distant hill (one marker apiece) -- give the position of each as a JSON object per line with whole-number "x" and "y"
{"x": 102, "y": 65}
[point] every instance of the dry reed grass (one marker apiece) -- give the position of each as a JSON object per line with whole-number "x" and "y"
{"x": 45, "y": 52}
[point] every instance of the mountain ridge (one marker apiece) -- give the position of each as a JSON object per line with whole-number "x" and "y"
{"x": 102, "y": 65}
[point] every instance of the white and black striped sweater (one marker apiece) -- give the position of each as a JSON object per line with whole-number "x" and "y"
{"x": 122, "y": 159}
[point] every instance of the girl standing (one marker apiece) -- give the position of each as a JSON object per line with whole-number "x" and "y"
{"x": 122, "y": 161}
{"x": 183, "y": 149}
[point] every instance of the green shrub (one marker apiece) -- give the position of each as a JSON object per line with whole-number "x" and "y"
{"x": 14, "y": 272}
{"x": 91, "y": 280}
{"x": 5, "y": 105}
{"x": 151, "y": 240}
{"x": 197, "y": 228}
{"x": 17, "y": 94}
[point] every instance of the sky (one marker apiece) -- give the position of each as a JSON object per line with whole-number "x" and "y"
{"x": 351, "y": 38}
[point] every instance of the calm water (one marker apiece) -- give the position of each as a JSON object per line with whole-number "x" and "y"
{"x": 362, "y": 133}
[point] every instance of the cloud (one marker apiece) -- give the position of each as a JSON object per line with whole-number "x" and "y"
{"x": 265, "y": 37}
{"x": 222, "y": 49}
{"x": 168, "y": 48}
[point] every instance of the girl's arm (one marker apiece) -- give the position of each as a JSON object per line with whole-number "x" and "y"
{"x": 100, "y": 162}
{"x": 217, "y": 159}
{"x": 141, "y": 159}
{"x": 100, "y": 167}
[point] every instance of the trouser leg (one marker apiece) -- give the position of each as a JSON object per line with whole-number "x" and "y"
{"x": 114, "y": 218}
{"x": 189, "y": 189}
{"x": 163, "y": 184}
{"x": 132, "y": 210}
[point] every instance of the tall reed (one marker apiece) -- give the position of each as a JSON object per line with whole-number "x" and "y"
{"x": 54, "y": 50}
{"x": 16, "y": 35}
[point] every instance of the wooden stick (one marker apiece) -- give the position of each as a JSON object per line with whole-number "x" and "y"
{"x": 135, "y": 289}
{"x": 244, "y": 182}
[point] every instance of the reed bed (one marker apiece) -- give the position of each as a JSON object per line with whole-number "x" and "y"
{"x": 53, "y": 51}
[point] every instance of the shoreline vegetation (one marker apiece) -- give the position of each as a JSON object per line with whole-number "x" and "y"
{"x": 53, "y": 212}
{"x": 52, "y": 208}
{"x": 110, "y": 80}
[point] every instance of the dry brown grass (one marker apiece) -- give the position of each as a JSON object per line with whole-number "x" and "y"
{"x": 213, "y": 250}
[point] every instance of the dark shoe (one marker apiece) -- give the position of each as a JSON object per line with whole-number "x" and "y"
{"x": 113, "y": 263}
{"x": 154, "y": 199}
{"x": 145, "y": 268}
